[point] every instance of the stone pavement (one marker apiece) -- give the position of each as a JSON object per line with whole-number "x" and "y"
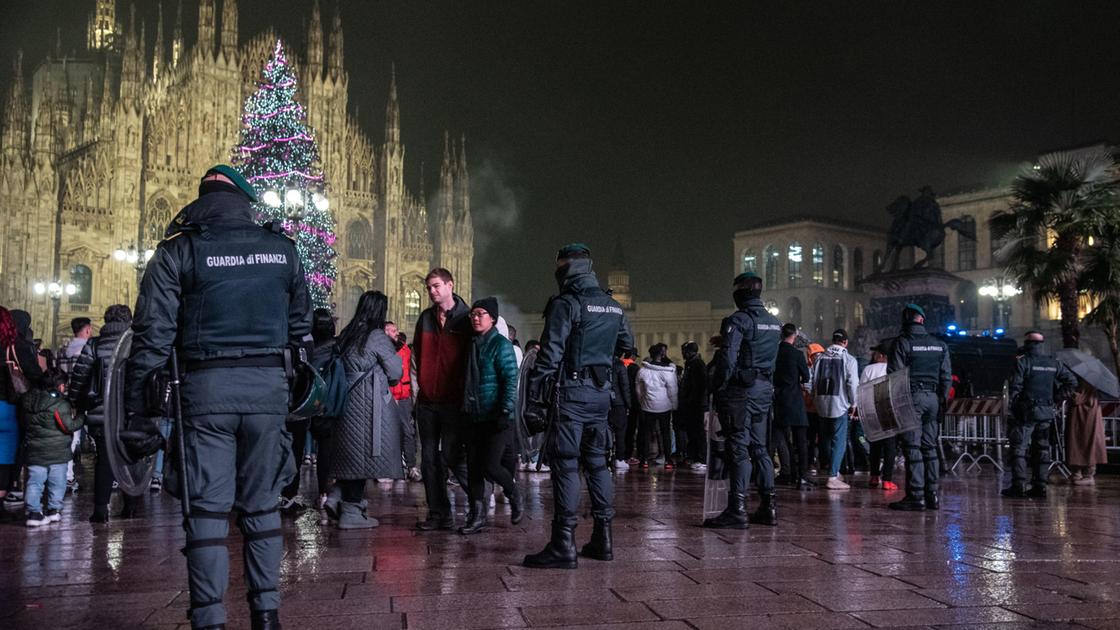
{"x": 839, "y": 559}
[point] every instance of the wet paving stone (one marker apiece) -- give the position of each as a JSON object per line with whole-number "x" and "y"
{"x": 839, "y": 561}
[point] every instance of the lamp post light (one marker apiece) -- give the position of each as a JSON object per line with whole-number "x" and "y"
{"x": 295, "y": 201}
{"x": 136, "y": 255}
{"x": 1000, "y": 290}
{"x": 53, "y": 290}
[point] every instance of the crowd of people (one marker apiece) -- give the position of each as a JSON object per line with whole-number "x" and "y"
{"x": 481, "y": 408}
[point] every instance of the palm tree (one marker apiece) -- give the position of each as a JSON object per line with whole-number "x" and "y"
{"x": 1059, "y": 204}
{"x": 1102, "y": 280}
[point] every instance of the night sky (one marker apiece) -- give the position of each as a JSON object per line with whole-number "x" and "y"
{"x": 672, "y": 125}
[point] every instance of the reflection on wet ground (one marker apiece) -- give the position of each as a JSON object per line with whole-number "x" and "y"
{"x": 839, "y": 559}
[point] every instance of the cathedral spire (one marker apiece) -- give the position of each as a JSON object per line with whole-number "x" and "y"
{"x": 461, "y": 201}
{"x": 15, "y": 116}
{"x": 89, "y": 117}
{"x": 315, "y": 43}
{"x": 141, "y": 62}
{"x": 334, "y": 58}
{"x": 229, "y": 28}
{"x": 43, "y": 143}
{"x": 206, "y": 26}
{"x": 393, "y": 112}
{"x": 158, "y": 60}
{"x": 177, "y": 44}
{"x": 102, "y": 27}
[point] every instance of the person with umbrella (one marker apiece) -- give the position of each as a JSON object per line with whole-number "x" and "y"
{"x": 1037, "y": 378}
{"x": 1084, "y": 424}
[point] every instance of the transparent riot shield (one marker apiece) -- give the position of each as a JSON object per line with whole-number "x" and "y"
{"x": 715, "y": 481}
{"x": 885, "y": 407}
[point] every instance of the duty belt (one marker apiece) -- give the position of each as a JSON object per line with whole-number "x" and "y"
{"x": 271, "y": 360}
{"x": 923, "y": 387}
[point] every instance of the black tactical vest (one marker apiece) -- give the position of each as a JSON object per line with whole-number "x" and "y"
{"x": 596, "y": 320}
{"x": 926, "y": 353}
{"x": 236, "y": 298}
{"x": 762, "y": 334}
{"x": 1038, "y": 379}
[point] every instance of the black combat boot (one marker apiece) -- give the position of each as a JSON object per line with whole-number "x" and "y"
{"x": 932, "y": 502}
{"x": 600, "y": 546}
{"x": 434, "y": 523}
{"x": 1014, "y": 491}
{"x": 734, "y": 517}
{"x": 100, "y": 514}
{"x": 805, "y": 484}
{"x": 767, "y": 512}
{"x": 909, "y": 503}
{"x": 1037, "y": 491}
{"x": 476, "y": 519}
{"x": 559, "y": 553}
{"x": 516, "y": 506}
{"x": 265, "y": 619}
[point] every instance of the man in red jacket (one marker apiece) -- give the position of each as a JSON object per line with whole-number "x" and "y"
{"x": 402, "y": 394}
{"x": 440, "y": 349}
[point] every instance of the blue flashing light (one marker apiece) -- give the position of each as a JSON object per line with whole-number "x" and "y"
{"x": 1000, "y": 331}
{"x": 951, "y": 327}
{"x": 962, "y": 333}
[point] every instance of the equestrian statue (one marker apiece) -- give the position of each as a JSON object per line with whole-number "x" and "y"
{"x": 918, "y": 223}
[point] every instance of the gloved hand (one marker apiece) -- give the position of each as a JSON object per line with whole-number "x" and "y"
{"x": 536, "y": 418}
{"x": 141, "y": 437}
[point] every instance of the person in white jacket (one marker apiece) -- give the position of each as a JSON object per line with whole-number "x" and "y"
{"x": 657, "y": 398}
{"x": 835, "y": 377}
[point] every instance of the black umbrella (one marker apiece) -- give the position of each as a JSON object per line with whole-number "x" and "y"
{"x": 1091, "y": 370}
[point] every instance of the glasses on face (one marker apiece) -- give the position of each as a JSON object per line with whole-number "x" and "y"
{"x": 478, "y": 314}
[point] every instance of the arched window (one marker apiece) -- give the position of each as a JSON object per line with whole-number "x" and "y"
{"x": 877, "y": 260}
{"x": 839, "y": 314}
{"x": 818, "y": 318}
{"x": 966, "y": 247}
{"x": 999, "y": 238}
{"x": 793, "y": 311}
{"x": 412, "y": 304}
{"x": 859, "y": 314}
{"x": 771, "y": 262}
{"x": 968, "y": 305}
{"x": 157, "y": 218}
{"x": 359, "y": 240}
{"x": 81, "y": 277}
{"x": 857, "y": 264}
{"x": 749, "y": 261}
{"x": 818, "y": 265}
{"x": 838, "y": 267}
{"x": 794, "y": 256}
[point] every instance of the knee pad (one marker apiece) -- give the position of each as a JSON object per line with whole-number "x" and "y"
{"x": 259, "y": 525}
{"x": 205, "y": 529}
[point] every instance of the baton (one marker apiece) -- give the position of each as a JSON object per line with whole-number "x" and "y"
{"x": 181, "y": 442}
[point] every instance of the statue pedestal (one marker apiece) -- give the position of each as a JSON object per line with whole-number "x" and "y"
{"x": 891, "y": 291}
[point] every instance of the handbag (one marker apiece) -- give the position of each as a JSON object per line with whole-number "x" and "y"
{"x": 19, "y": 383}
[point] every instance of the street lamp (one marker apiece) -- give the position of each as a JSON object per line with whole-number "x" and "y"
{"x": 295, "y": 201}
{"x": 53, "y": 290}
{"x": 1001, "y": 290}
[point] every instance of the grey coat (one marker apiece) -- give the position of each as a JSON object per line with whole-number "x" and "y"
{"x": 366, "y": 440}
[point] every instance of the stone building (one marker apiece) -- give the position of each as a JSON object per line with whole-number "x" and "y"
{"x": 103, "y": 148}
{"x": 811, "y": 269}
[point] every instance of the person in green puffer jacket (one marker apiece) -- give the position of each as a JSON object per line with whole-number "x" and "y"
{"x": 490, "y": 401}
{"x": 50, "y": 426}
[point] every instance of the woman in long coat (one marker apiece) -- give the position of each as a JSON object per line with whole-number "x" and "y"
{"x": 366, "y": 440}
{"x": 1085, "y": 434}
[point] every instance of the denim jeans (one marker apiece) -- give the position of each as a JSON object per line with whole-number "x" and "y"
{"x": 839, "y": 442}
{"x": 165, "y": 431}
{"x": 54, "y": 477}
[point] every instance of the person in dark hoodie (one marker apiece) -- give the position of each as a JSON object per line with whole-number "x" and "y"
{"x": 51, "y": 423}
{"x": 693, "y": 402}
{"x": 231, "y": 296}
{"x": 33, "y": 366}
{"x": 490, "y": 402}
{"x": 118, "y": 319}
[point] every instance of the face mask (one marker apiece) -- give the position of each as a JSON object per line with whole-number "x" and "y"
{"x": 561, "y": 274}
{"x": 742, "y": 296}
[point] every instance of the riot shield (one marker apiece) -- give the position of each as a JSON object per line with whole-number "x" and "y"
{"x": 885, "y": 407}
{"x": 132, "y": 477}
{"x": 715, "y": 481}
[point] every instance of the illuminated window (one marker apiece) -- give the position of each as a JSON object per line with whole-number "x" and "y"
{"x": 412, "y": 304}
{"x": 359, "y": 240}
{"x": 749, "y": 261}
{"x": 838, "y": 267}
{"x": 771, "y": 261}
{"x": 794, "y": 260}
{"x": 81, "y": 277}
{"x": 839, "y": 314}
{"x": 818, "y": 265}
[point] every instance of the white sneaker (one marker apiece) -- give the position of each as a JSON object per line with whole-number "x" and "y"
{"x": 621, "y": 465}
{"x": 699, "y": 466}
{"x": 35, "y": 519}
{"x": 835, "y": 483}
{"x": 499, "y": 496}
{"x": 414, "y": 474}
{"x": 544, "y": 468}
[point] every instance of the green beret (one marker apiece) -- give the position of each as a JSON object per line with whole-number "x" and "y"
{"x": 914, "y": 307}
{"x": 573, "y": 248}
{"x": 743, "y": 277}
{"x": 235, "y": 177}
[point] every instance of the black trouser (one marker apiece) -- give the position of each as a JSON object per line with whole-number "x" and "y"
{"x": 298, "y": 429}
{"x": 1030, "y": 450}
{"x": 618, "y": 419}
{"x": 441, "y": 448}
{"x": 102, "y": 473}
{"x": 633, "y": 424}
{"x": 353, "y": 490}
{"x": 691, "y": 422}
{"x": 486, "y": 458}
{"x": 885, "y": 451}
{"x": 661, "y": 421}
{"x": 323, "y": 462}
{"x": 800, "y": 445}
{"x": 817, "y": 440}
{"x": 408, "y": 432}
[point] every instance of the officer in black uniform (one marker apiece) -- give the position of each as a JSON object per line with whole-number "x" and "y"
{"x": 584, "y": 330}
{"x": 746, "y": 393}
{"x": 930, "y": 380}
{"x": 1038, "y": 377}
{"x": 231, "y": 297}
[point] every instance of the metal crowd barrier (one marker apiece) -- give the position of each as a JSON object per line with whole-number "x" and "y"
{"x": 977, "y": 426}
{"x": 1110, "y": 409}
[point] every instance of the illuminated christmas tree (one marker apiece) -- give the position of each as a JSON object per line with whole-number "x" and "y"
{"x": 278, "y": 154}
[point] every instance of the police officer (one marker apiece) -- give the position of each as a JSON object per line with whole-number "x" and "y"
{"x": 584, "y": 330}
{"x": 230, "y": 295}
{"x": 930, "y": 380}
{"x": 1032, "y": 390}
{"x": 746, "y": 392}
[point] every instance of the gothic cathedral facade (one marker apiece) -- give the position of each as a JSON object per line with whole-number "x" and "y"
{"x": 102, "y": 149}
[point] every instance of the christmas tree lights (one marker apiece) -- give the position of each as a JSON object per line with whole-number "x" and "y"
{"x": 278, "y": 155}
